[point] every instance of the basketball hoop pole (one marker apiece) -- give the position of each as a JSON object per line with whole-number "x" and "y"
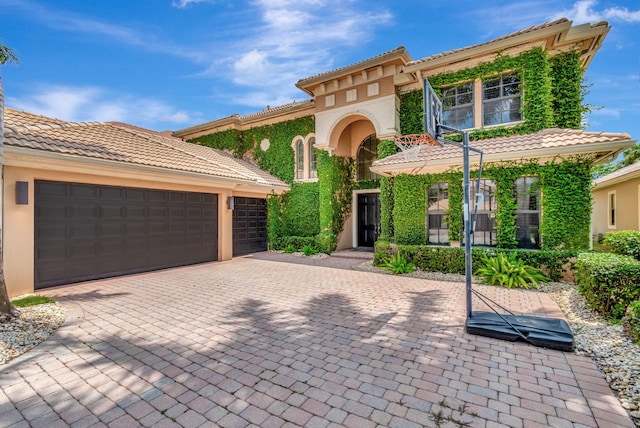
{"x": 466, "y": 180}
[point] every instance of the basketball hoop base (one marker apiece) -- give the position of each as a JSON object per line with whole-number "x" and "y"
{"x": 549, "y": 333}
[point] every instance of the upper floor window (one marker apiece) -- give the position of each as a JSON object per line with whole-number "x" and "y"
{"x": 305, "y": 157}
{"x": 313, "y": 163}
{"x": 501, "y": 100}
{"x": 492, "y": 101}
{"x": 367, "y": 153}
{"x": 457, "y": 106}
{"x": 299, "y": 159}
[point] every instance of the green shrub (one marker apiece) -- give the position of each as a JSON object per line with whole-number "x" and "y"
{"x": 283, "y": 242}
{"x": 432, "y": 258}
{"x": 309, "y": 250}
{"x": 398, "y": 265}
{"x": 290, "y": 249}
{"x": 625, "y": 242}
{"x": 631, "y": 321}
{"x": 509, "y": 272}
{"x": 326, "y": 242}
{"x": 609, "y": 282}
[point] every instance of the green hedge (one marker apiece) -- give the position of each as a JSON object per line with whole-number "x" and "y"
{"x": 298, "y": 242}
{"x": 609, "y": 282}
{"x": 626, "y": 242}
{"x": 300, "y": 215}
{"x": 553, "y": 263}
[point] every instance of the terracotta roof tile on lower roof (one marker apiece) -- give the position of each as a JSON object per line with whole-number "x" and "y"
{"x": 544, "y": 143}
{"x": 129, "y": 144}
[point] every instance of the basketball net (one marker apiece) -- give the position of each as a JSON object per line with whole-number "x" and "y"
{"x": 414, "y": 144}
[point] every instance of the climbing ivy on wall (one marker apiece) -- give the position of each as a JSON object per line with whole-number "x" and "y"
{"x": 335, "y": 186}
{"x": 300, "y": 215}
{"x": 566, "y": 203}
{"x": 546, "y": 83}
{"x": 278, "y": 159}
{"x": 386, "y": 148}
{"x": 552, "y": 95}
{"x": 568, "y": 90}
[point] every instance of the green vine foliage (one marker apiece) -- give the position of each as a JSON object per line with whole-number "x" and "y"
{"x": 566, "y": 201}
{"x": 568, "y": 90}
{"x": 335, "y": 187}
{"x": 279, "y": 158}
{"x": 546, "y": 82}
{"x": 300, "y": 213}
{"x": 386, "y": 148}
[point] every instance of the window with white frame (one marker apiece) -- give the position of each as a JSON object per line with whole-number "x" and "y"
{"x": 483, "y": 102}
{"x": 501, "y": 100}
{"x": 367, "y": 153}
{"x": 305, "y": 157}
{"x": 313, "y": 163}
{"x": 437, "y": 207}
{"x": 527, "y": 194}
{"x": 612, "y": 209}
{"x": 457, "y": 106}
{"x": 299, "y": 148}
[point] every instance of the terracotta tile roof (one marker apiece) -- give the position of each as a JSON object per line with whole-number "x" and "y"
{"x": 524, "y": 146}
{"x": 129, "y": 144}
{"x": 398, "y": 50}
{"x": 508, "y": 36}
{"x": 270, "y": 111}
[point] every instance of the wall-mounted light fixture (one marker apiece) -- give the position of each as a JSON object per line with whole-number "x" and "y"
{"x": 22, "y": 193}
{"x": 230, "y": 203}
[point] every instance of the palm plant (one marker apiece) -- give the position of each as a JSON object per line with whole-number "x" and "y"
{"x": 509, "y": 272}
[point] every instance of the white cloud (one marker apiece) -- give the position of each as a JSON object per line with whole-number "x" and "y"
{"x": 86, "y": 104}
{"x": 584, "y": 11}
{"x": 292, "y": 40}
{"x": 184, "y": 3}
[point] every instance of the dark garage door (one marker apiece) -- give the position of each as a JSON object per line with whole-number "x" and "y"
{"x": 249, "y": 225}
{"x": 85, "y": 231}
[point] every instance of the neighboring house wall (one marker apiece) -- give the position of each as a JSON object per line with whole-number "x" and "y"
{"x": 626, "y": 191}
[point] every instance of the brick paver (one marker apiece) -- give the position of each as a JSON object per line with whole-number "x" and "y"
{"x": 270, "y": 340}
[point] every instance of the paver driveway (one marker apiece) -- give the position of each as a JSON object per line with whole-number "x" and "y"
{"x": 253, "y": 342}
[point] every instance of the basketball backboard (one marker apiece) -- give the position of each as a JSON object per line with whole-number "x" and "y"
{"x": 432, "y": 111}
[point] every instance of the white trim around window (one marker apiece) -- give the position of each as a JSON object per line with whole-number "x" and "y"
{"x": 611, "y": 209}
{"x": 305, "y": 158}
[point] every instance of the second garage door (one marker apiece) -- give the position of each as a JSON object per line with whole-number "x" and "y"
{"x": 249, "y": 225}
{"x": 85, "y": 231}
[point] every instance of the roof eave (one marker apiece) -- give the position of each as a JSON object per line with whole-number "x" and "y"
{"x": 25, "y": 157}
{"x": 398, "y": 53}
{"x": 602, "y": 150}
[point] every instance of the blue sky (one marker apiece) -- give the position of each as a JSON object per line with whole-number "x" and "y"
{"x": 169, "y": 64}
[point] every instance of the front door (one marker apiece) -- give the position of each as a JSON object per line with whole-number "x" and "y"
{"x": 368, "y": 219}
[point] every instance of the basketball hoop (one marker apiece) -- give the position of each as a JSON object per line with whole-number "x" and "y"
{"x": 413, "y": 144}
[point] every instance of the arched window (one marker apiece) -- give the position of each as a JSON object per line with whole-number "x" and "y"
{"x": 367, "y": 153}
{"x": 299, "y": 159}
{"x": 313, "y": 173}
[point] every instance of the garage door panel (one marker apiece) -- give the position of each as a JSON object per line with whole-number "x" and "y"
{"x": 87, "y": 232}
{"x": 249, "y": 228}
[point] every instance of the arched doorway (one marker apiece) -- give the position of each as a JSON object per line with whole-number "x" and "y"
{"x": 367, "y": 202}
